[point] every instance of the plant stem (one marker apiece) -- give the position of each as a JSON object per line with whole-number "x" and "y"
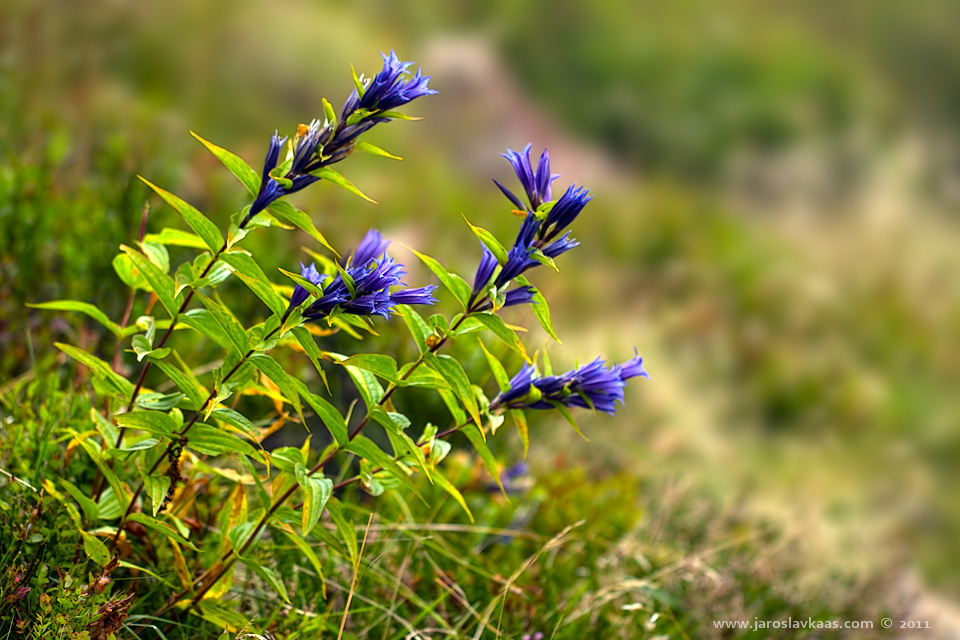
{"x": 227, "y": 560}
{"x": 163, "y": 340}
{"x": 180, "y": 434}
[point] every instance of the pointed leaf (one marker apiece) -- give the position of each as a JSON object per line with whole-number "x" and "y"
{"x": 253, "y": 276}
{"x": 490, "y": 241}
{"x": 507, "y": 335}
{"x": 476, "y": 437}
{"x": 269, "y": 367}
{"x": 329, "y": 414}
{"x": 202, "y": 225}
{"x": 373, "y": 149}
{"x": 454, "y": 283}
{"x": 316, "y": 492}
{"x": 540, "y": 309}
{"x": 229, "y": 324}
{"x": 159, "y": 282}
{"x": 82, "y": 307}
{"x": 120, "y": 385}
{"x": 453, "y": 373}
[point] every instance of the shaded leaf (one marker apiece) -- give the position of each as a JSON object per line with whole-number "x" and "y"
{"x": 82, "y": 307}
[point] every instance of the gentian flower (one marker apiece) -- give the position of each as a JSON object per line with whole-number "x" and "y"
{"x": 389, "y": 89}
{"x": 488, "y": 263}
{"x": 518, "y": 259}
{"x": 592, "y": 386}
{"x": 373, "y": 272}
{"x": 299, "y": 293}
{"x": 564, "y": 212}
{"x": 321, "y": 144}
{"x": 535, "y": 183}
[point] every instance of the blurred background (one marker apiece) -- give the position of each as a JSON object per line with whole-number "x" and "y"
{"x": 775, "y": 225}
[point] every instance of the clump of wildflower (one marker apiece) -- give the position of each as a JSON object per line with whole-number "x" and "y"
{"x": 363, "y": 286}
{"x": 592, "y": 386}
{"x": 321, "y": 144}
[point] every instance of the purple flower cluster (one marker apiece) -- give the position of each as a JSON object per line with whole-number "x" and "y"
{"x": 538, "y": 235}
{"x": 592, "y": 386}
{"x": 321, "y": 144}
{"x": 370, "y": 273}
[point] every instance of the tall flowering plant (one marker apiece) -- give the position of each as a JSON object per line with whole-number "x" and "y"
{"x": 155, "y": 450}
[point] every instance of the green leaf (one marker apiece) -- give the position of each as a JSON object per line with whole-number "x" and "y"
{"x": 237, "y": 420}
{"x": 416, "y": 324}
{"x": 454, "y": 283}
{"x": 176, "y": 237}
{"x": 213, "y": 441}
{"x": 100, "y": 369}
{"x": 423, "y": 377}
{"x": 157, "y": 254}
{"x": 380, "y": 365}
{"x": 141, "y": 347}
{"x": 186, "y": 383}
{"x": 496, "y": 368}
{"x": 123, "y": 265}
{"x": 159, "y": 282}
{"x": 139, "y": 444}
{"x": 240, "y": 169}
{"x": 155, "y": 422}
{"x": 90, "y": 509}
{"x": 109, "y": 505}
{"x": 95, "y": 548}
{"x": 565, "y": 412}
{"x": 489, "y": 240}
{"x": 253, "y": 276}
{"x": 367, "y": 384}
{"x": 93, "y": 451}
{"x": 367, "y": 448}
{"x": 303, "y": 282}
{"x": 403, "y": 444}
{"x": 453, "y": 405}
{"x": 373, "y": 149}
{"x": 540, "y": 309}
{"x": 520, "y": 420}
{"x": 156, "y": 487}
{"x": 159, "y": 401}
{"x": 507, "y": 335}
{"x": 197, "y": 221}
{"x": 308, "y": 552}
{"x": 316, "y": 492}
{"x": 344, "y": 527}
{"x": 230, "y": 326}
{"x": 82, "y": 307}
{"x": 284, "y": 382}
{"x": 479, "y": 442}
{"x": 162, "y": 528}
{"x": 287, "y": 212}
{"x": 311, "y": 349}
{"x": 454, "y": 493}
{"x": 206, "y": 324}
{"x": 453, "y": 373}
{"x": 331, "y": 418}
{"x": 287, "y": 459}
{"x": 267, "y": 575}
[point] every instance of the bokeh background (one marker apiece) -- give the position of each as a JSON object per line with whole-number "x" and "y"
{"x": 775, "y": 225}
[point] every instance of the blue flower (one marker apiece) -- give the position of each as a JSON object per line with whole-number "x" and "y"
{"x": 305, "y": 149}
{"x": 299, "y": 293}
{"x": 518, "y": 259}
{"x": 373, "y": 273}
{"x": 564, "y": 212}
{"x": 535, "y": 183}
{"x": 488, "y": 263}
{"x": 561, "y": 245}
{"x": 389, "y": 89}
{"x": 592, "y": 386}
{"x": 320, "y": 144}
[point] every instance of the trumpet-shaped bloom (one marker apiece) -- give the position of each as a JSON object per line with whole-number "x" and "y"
{"x": 389, "y": 89}
{"x": 536, "y": 183}
{"x": 565, "y": 211}
{"x": 592, "y": 386}
{"x": 372, "y": 273}
{"x": 488, "y": 264}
